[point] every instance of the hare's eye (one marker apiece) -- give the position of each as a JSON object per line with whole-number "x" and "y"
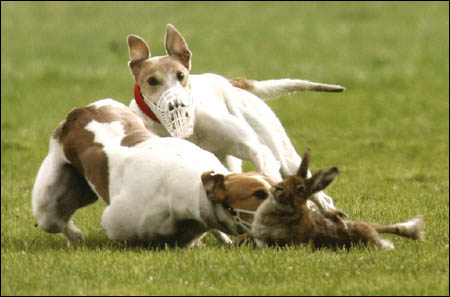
{"x": 299, "y": 190}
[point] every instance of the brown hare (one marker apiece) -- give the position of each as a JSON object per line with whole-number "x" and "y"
{"x": 284, "y": 218}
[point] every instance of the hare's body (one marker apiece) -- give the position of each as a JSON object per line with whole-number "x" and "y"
{"x": 284, "y": 219}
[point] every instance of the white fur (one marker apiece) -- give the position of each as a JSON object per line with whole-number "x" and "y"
{"x": 162, "y": 177}
{"x": 269, "y": 89}
{"x": 232, "y": 121}
{"x": 152, "y": 186}
{"x": 47, "y": 187}
{"x": 386, "y": 244}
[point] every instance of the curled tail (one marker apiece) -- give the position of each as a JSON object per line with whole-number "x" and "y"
{"x": 273, "y": 88}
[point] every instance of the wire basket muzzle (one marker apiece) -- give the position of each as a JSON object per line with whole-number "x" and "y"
{"x": 175, "y": 110}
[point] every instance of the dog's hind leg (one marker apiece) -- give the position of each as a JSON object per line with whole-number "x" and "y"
{"x": 322, "y": 201}
{"x": 59, "y": 190}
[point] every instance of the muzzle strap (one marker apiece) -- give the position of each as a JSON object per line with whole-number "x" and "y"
{"x": 236, "y": 215}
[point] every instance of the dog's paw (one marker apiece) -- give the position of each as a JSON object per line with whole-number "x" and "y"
{"x": 197, "y": 243}
{"x": 74, "y": 236}
{"x": 245, "y": 238}
{"x": 76, "y": 240}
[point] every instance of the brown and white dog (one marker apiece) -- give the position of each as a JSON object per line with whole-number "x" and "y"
{"x": 226, "y": 117}
{"x": 157, "y": 190}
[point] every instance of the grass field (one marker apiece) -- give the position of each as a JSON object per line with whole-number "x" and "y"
{"x": 388, "y": 133}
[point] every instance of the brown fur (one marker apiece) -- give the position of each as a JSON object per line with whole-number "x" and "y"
{"x": 164, "y": 69}
{"x": 242, "y": 83}
{"x": 285, "y": 219}
{"x": 87, "y": 156}
{"x": 243, "y": 190}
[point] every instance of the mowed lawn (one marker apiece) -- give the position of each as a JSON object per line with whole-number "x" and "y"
{"x": 388, "y": 133}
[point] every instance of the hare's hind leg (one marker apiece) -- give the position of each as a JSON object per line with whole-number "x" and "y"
{"x": 411, "y": 229}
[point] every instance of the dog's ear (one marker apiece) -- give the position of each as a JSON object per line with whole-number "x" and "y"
{"x": 176, "y": 46}
{"x": 139, "y": 52}
{"x": 321, "y": 179}
{"x": 214, "y": 185}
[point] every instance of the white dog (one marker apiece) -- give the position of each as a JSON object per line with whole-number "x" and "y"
{"x": 157, "y": 190}
{"x": 222, "y": 116}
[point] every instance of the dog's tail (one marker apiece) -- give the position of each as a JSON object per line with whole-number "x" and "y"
{"x": 274, "y": 88}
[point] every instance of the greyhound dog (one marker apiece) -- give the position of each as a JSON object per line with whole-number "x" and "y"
{"x": 157, "y": 190}
{"x": 226, "y": 117}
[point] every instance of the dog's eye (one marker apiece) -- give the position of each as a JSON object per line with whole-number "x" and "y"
{"x": 261, "y": 194}
{"x": 299, "y": 190}
{"x": 153, "y": 81}
{"x": 180, "y": 76}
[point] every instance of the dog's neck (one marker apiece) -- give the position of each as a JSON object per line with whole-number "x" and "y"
{"x": 212, "y": 214}
{"x": 142, "y": 105}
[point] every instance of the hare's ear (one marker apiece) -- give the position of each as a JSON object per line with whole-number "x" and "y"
{"x": 214, "y": 185}
{"x": 321, "y": 179}
{"x": 303, "y": 170}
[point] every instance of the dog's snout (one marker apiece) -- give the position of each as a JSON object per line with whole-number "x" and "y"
{"x": 176, "y": 104}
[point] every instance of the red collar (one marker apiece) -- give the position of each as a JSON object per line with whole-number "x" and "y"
{"x": 142, "y": 105}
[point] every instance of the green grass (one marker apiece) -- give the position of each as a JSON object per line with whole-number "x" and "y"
{"x": 388, "y": 133}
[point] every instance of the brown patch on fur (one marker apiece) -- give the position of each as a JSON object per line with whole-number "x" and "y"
{"x": 134, "y": 138}
{"x": 87, "y": 156}
{"x": 58, "y": 132}
{"x": 238, "y": 190}
{"x": 243, "y": 186}
{"x": 241, "y": 83}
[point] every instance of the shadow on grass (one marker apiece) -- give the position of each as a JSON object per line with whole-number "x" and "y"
{"x": 40, "y": 241}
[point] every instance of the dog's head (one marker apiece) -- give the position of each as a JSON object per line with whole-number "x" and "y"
{"x": 164, "y": 81}
{"x": 239, "y": 193}
{"x": 295, "y": 190}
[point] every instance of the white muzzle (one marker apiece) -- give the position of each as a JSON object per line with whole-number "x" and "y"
{"x": 175, "y": 109}
{"x": 236, "y": 215}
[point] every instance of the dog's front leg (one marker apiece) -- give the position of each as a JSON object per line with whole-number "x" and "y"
{"x": 233, "y": 164}
{"x": 231, "y": 135}
{"x": 221, "y": 237}
{"x": 263, "y": 159}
